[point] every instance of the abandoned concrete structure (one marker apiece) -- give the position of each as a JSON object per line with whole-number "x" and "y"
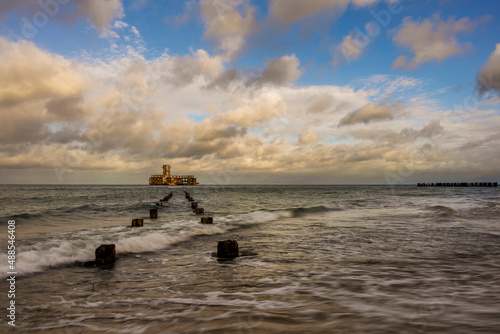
{"x": 172, "y": 180}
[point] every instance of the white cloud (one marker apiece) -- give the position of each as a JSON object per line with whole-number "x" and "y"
{"x": 253, "y": 112}
{"x": 226, "y": 25}
{"x": 308, "y": 136}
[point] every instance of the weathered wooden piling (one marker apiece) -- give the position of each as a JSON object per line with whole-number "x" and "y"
{"x": 207, "y": 220}
{"x": 199, "y": 211}
{"x": 137, "y": 222}
{"x": 194, "y": 205}
{"x": 105, "y": 254}
{"x": 153, "y": 213}
{"x": 190, "y": 199}
{"x": 227, "y": 249}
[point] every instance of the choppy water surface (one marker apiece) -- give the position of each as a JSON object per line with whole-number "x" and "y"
{"x": 319, "y": 259}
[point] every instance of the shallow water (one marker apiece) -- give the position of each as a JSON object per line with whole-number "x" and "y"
{"x": 319, "y": 259}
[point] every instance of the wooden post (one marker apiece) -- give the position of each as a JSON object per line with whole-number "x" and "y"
{"x": 227, "y": 249}
{"x": 207, "y": 220}
{"x": 137, "y": 222}
{"x": 105, "y": 254}
{"x": 153, "y": 213}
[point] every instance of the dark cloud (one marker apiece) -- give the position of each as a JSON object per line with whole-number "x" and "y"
{"x": 322, "y": 104}
{"x": 277, "y": 72}
{"x": 372, "y": 112}
{"x": 99, "y": 13}
{"x": 406, "y": 135}
{"x": 67, "y": 109}
{"x": 224, "y": 79}
{"x": 488, "y": 77}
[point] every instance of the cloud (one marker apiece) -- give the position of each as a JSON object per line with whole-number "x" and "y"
{"x": 129, "y": 115}
{"x": 212, "y": 129}
{"x": 406, "y": 135}
{"x": 100, "y": 13}
{"x": 372, "y": 112}
{"x": 290, "y": 11}
{"x": 27, "y": 73}
{"x": 253, "y": 112}
{"x": 350, "y": 49}
{"x": 488, "y": 77}
{"x": 431, "y": 39}
{"x": 308, "y": 136}
{"x": 185, "y": 17}
{"x": 36, "y": 88}
{"x": 226, "y": 25}
{"x": 279, "y": 71}
{"x": 320, "y": 105}
{"x": 183, "y": 70}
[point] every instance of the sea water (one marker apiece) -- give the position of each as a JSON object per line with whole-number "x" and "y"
{"x": 315, "y": 259}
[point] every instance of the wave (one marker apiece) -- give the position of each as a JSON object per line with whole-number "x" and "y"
{"x": 79, "y": 247}
{"x": 23, "y": 216}
{"x": 299, "y": 212}
{"x": 444, "y": 211}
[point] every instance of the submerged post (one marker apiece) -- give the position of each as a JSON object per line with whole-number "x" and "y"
{"x": 199, "y": 211}
{"x": 227, "y": 249}
{"x": 207, "y": 220}
{"x": 153, "y": 213}
{"x": 105, "y": 254}
{"x": 137, "y": 222}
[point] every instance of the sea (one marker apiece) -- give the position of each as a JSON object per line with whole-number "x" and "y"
{"x": 313, "y": 259}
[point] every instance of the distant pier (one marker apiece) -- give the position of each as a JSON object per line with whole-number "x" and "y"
{"x": 462, "y": 184}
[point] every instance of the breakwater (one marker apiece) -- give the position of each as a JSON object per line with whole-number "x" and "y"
{"x": 462, "y": 184}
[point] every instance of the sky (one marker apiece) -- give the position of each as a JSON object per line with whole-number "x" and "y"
{"x": 250, "y": 91}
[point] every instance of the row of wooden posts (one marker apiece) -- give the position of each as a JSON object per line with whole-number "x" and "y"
{"x": 461, "y": 184}
{"x": 226, "y": 249}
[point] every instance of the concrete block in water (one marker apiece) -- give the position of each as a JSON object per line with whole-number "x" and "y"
{"x": 227, "y": 249}
{"x": 153, "y": 213}
{"x": 105, "y": 254}
{"x": 207, "y": 220}
{"x": 137, "y": 222}
{"x": 194, "y": 205}
{"x": 199, "y": 211}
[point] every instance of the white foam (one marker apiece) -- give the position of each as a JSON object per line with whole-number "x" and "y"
{"x": 37, "y": 260}
{"x": 68, "y": 248}
{"x": 256, "y": 217}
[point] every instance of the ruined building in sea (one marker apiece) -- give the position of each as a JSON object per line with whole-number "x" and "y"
{"x": 172, "y": 180}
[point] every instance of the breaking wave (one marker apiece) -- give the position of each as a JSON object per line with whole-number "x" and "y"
{"x": 77, "y": 247}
